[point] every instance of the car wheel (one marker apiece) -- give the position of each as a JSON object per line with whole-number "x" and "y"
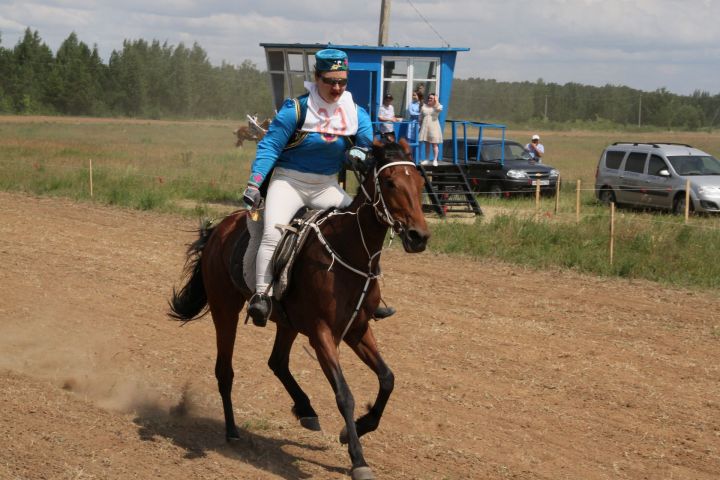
{"x": 495, "y": 191}
{"x": 679, "y": 204}
{"x": 607, "y": 196}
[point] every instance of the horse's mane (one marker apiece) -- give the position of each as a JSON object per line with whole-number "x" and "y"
{"x": 383, "y": 153}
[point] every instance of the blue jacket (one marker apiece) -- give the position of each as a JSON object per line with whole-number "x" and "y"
{"x": 314, "y": 153}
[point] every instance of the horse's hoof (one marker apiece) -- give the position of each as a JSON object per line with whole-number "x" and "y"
{"x": 232, "y": 438}
{"x": 311, "y": 423}
{"x": 362, "y": 473}
{"x": 344, "y": 436}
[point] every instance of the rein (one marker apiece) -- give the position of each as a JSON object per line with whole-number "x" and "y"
{"x": 383, "y": 216}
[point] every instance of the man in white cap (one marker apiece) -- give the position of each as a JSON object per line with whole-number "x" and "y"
{"x": 386, "y": 114}
{"x": 536, "y": 149}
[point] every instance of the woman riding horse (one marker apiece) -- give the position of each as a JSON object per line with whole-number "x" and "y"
{"x": 332, "y": 295}
{"x": 306, "y": 146}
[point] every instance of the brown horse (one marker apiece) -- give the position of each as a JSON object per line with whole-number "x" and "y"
{"x": 250, "y": 132}
{"x": 332, "y": 295}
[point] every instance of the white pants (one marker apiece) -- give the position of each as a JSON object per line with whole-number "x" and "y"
{"x": 289, "y": 191}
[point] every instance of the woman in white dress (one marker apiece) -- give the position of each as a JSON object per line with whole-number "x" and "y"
{"x": 430, "y": 131}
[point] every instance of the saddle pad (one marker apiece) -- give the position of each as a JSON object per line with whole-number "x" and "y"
{"x": 291, "y": 242}
{"x": 236, "y": 261}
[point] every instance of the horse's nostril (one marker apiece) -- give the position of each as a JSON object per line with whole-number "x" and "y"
{"x": 416, "y": 237}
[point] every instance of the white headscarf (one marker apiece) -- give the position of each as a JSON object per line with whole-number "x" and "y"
{"x": 339, "y": 118}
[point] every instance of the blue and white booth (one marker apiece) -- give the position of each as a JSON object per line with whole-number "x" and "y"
{"x": 374, "y": 71}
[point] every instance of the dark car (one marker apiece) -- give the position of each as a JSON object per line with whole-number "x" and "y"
{"x": 502, "y": 169}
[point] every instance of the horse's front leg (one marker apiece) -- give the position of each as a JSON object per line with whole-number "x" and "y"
{"x": 327, "y": 354}
{"x": 279, "y": 363}
{"x": 366, "y": 349}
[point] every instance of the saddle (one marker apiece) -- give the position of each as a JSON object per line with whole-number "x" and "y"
{"x": 281, "y": 264}
{"x": 290, "y": 245}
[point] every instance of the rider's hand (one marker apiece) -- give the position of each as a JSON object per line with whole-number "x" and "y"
{"x": 357, "y": 158}
{"x": 251, "y": 196}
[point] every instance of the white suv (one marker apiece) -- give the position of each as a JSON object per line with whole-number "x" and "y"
{"x": 655, "y": 175}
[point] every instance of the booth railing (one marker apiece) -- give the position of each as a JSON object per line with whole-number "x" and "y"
{"x": 465, "y": 125}
{"x": 459, "y": 130}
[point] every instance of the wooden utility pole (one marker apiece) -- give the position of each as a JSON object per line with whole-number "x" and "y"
{"x": 384, "y": 23}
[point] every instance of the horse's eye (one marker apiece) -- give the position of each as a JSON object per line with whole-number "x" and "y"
{"x": 389, "y": 183}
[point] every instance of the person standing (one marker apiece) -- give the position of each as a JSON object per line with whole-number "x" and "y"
{"x": 386, "y": 114}
{"x": 430, "y": 131}
{"x": 535, "y": 148}
{"x": 414, "y": 114}
{"x": 304, "y": 147}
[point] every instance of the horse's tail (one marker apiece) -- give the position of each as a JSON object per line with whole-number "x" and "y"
{"x": 191, "y": 301}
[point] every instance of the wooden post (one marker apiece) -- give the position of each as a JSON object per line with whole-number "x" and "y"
{"x": 577, "y": 201}
{"x": 91, "y": 179}
{"x": 537, "y": 194}
{"x": 687, "y": 201}
{"x": 557, "y": 196}
{"x": 612, "y": 231}
{"x": 384, "y": 23}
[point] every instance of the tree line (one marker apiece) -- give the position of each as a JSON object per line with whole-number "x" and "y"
{"x": 483, "y": 99}
{"x": 154, "y": 80}
{"x": 141, "y": 80}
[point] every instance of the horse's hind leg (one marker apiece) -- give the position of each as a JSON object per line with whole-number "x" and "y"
{"x": 366, "y": 349}
{"x": 225, "y": 320}
{"x": 327, "y": 354}
{"x": 279, "y": 363}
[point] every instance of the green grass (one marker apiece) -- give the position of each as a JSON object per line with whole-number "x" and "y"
{"x": 167, "y": 166}
{"x": 649, "y": 246}
{"x": 193, "y": 168}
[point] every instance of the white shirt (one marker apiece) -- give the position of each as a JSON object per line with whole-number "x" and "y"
{"x": 386, "y": 112}
{"x": 539, "y": 147}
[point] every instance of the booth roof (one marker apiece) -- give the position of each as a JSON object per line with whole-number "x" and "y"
{"x": 386, "y": 48}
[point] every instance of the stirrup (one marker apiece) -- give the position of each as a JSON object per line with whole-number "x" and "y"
{"x": 383, "y": 312}
{"x": 259, "y": 309}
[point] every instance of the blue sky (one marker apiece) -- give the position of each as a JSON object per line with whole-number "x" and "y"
{"x": 644, "y": 44}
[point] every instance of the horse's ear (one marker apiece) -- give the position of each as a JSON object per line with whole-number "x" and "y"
{"x": 378, "y": 150}
{"x": 405, "y": 147}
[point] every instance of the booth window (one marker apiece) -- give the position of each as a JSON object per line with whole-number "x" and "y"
{"x": 401, "y": 76}
{"x": 288, "y": 72}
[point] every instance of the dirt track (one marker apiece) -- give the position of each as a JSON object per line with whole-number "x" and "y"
{"x": 500, "y": 372}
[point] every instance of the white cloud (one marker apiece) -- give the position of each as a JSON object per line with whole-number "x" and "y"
{"x": 645, "y": 44}
{"x": 12, "y": 25}
{"x": 42, "y": 14}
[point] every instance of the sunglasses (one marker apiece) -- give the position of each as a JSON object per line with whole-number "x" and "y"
{"x": 334, "y": 81}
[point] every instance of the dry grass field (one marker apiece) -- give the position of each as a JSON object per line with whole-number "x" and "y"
{"x": 174, "y": 148}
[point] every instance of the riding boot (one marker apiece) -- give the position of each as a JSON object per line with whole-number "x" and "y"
{"x": 384, "y": 312}
{"x": 259, "y": 309}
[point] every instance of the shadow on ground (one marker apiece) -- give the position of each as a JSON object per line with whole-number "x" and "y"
{"x": 198, "y": 435}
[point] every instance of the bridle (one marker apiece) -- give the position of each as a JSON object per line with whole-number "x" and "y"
{"x": 382, "y": 213}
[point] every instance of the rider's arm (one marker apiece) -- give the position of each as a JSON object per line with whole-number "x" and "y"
{"x": 364, "y": 136}
{"x": 273, "y": 143}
